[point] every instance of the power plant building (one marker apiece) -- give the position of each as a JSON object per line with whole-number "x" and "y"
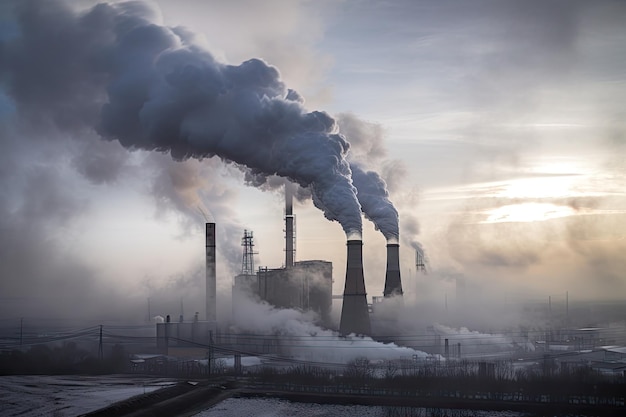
{"x": 306, "y": 286}
{"x": 303, "y": 285}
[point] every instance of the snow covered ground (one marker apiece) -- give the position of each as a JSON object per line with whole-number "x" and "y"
{"x": 69, "y": 395}
{"x": 240, "y": 407}
{"x": 252, "y": 407}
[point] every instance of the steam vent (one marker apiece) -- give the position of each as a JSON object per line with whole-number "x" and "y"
{"x": 354, "y": 314}
{"x": 393, "y": 284}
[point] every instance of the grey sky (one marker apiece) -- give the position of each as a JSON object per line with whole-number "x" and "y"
{"x": 470, "y": 110}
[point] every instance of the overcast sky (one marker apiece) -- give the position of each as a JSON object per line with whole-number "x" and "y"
{"x": 498, "y": 127}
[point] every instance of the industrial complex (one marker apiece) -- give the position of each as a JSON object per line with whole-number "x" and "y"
{"x": 304, "y": 285}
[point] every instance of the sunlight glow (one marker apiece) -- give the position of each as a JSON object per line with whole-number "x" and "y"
{"x": 540, "y": 187}
{"x": 527, "y": 212}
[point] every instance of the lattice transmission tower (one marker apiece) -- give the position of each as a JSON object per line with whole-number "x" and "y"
{"x": 247, "y": 262}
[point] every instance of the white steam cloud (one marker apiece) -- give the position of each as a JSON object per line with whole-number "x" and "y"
{"x": 304, "y": 340}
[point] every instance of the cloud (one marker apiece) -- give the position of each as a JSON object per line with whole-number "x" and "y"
{"x": 101, "y": 162}
{"x": 284, "y": 33}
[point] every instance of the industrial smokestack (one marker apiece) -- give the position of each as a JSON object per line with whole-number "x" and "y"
{"x": 210, "y": 273}
{"x": 393, "y": 284}
{"x": 289, "y": 231}
{"x": 354, "y": 313}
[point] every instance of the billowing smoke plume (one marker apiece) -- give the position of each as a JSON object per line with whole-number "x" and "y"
{"x": 384, "y": 176}
{"x": 275, "y": 183}
{"x": 374, "y": 199}
{"x": 373, "y": 174}
{"x": 151, "y": 87}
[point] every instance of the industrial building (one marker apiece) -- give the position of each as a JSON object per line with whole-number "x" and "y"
{"x": 304, "y": 285}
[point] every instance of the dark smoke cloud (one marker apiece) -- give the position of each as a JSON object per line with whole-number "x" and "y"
{"x": 274, "y": 183}
{"x": 50, "y": 76}
{"x": 151, "y": 88}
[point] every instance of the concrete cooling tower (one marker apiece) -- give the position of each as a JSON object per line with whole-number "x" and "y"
{"x": 354, "y": 313}
{"x": 393, "y": 284}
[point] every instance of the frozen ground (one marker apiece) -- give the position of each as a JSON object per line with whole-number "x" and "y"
{"x": 240, "y": 407}
{"x": 69, "y": 395}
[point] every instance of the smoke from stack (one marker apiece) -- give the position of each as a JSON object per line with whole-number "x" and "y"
{"x": 151, "y": 87}
{"x": 374, "y": 199}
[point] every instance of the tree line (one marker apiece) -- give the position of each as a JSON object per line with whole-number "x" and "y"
{"x": 65, "y": 358}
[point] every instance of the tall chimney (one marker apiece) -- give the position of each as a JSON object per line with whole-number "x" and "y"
{"x": 289, "y": 232}
{"x": 210, "y": 273}
{"x": 393, "y": 284}
{"x": 354, "y": 313}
